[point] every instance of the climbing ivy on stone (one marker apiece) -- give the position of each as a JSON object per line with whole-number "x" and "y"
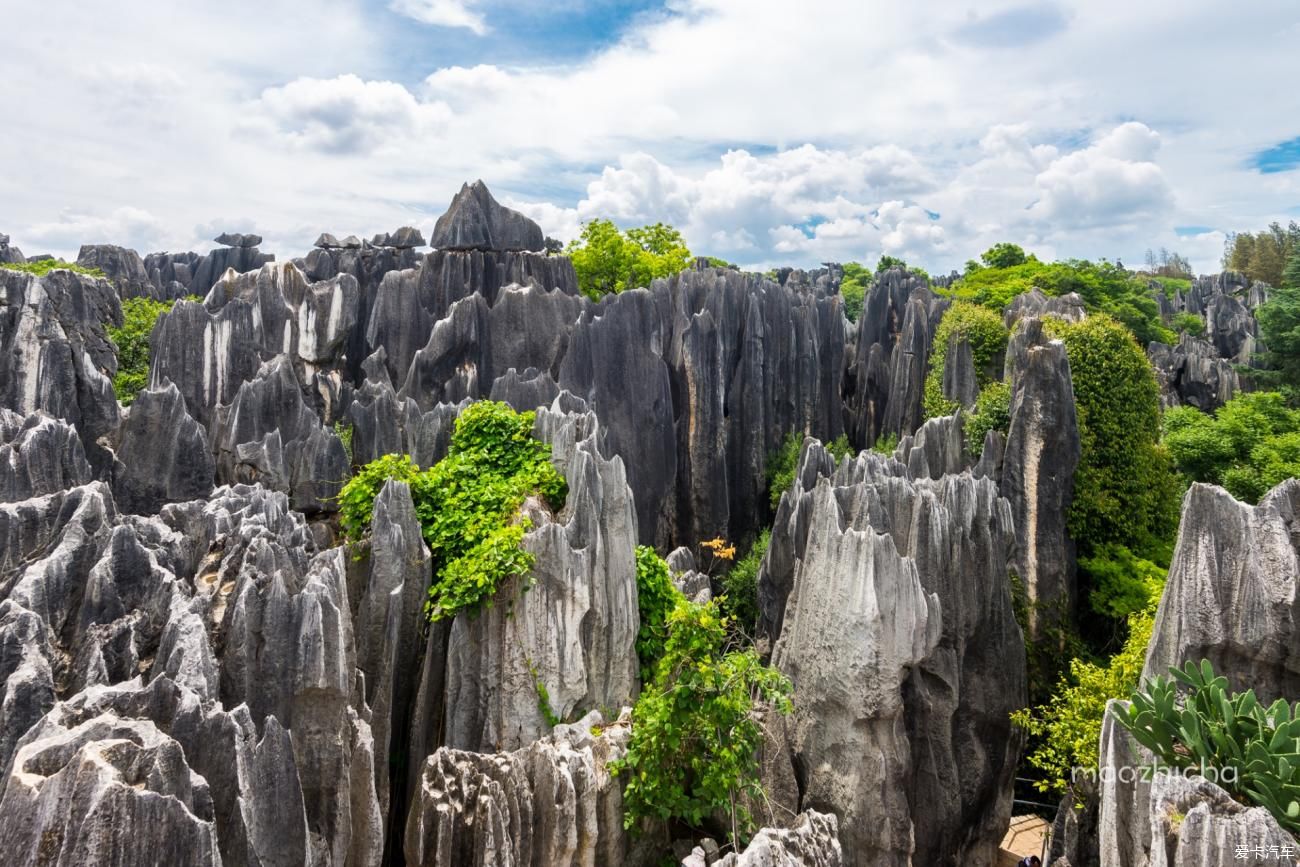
{"x": 467, "y": 503}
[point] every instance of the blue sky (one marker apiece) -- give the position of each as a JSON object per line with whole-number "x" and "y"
{"x": 769, "y": 132}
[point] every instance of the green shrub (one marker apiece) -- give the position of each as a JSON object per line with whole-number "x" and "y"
{"x": 739, "y": 599}
{"x": 139, "y": 315}
{"x": 784, "y": 462}
{"x": 1125, "y": 489}
{"x": 1250, "y": 750}
{"x": 886, "y": 444}
{"x": 695, "y": 731}
{"x": 1103, "y": 286}
{"x": 1065, "y": 730}
{"x": 1189, "y": 322}
{"x": 45, "y": 266}
{"x": 467, "y": 503}
{"x": 992, "y": 412}
{"x": 1122, "y": 582}
{"x": 1249, "y": 445}
{"x": 656, "y": 598}
{"x": 608, "y": 260}
{"x": 987, "y": 337}
{"x": 853, "y": 289}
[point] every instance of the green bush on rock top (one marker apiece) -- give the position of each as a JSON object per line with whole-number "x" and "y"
{"x": 139, "y": 315}
{"x": 467, "y": 503}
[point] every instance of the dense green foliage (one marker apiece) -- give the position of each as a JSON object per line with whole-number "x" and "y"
{"x": 1125, "y": 489}
{"x": 1250, "y": 750}
{"x": 784, "y": 462}
{"x": 1248, "y": 446}
{"x": 1263, "y": 255}
{"x": 608, "y": 260}
{"x": 1279, "y": 327}
{"x": 656, "y": 599}
{"x": 467, "y": 503}
{"x": 1123, "y": 584}
{"x": 987, "y": 336}
{"x": 1189, "y": 322}
{"x": 1004, "y": 255}
{"x": 695, "y": 727}
{"x": 1064, "y": 731}
{"x": 139, "y": 315}
{"x": 853, "y": 289}
{"x": 992, "y": 412}
{"x": 739, "y": 599}
{"x": 44, "y": 266}
{"x": 1105, "y": 288}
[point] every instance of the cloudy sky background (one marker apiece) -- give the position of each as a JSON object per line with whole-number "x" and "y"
{"x": 769, "y": 132}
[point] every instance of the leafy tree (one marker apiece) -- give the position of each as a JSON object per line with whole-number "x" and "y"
{"x": 1263, "y": 255}
{"x": 695, "y": 727}
{"x": 1250, "y": 444}
{"x": 1064, "y": 732}
{"x": 467, "y": 503}
{"x": 853, "y": 289}
{"x": 608, "y": 260}
{"x": 1189, "y": 322}
{"x": 886, "y": 262}
{"x": 1125, "y": 489}
{"x": 1279, "y": 326}
{"x": 1105, "y": 287}
{"x": 987, "y": 336}
{"x": 1004, "y": 255}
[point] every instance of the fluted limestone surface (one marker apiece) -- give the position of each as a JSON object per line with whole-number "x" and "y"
{"x": 812, "y": 841}
{"x": 884, "y": 376}
{"x": 124, "y": 268}
{"x": 552, "y": 802}
{"x": 1192, "y": 373}
{"x": 39, "y": 455}
{"x": 1231, "y": 596}
{"x": 891, "y": 602}
{"x": 1038, "y": 461}
{"x": 55, "y": 353}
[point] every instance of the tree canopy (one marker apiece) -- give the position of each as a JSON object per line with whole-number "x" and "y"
{"x": 611, "y": 260}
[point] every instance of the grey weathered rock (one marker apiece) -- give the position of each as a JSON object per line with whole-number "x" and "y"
{"x": 124, "y": 268}
{"x": 39, "y": 455}
{"x": 573, "y": 630}
{"x": 475, "y": 221}
{"x": 937, "y": 450}
{"x": 959, "y": 380}
{"x": 209, "y": 351}
{"x": 268, "y": 434}
{"x": 1231, "y": 596}
{"x": 9, "y": 254}
{"x": 890, "y": 599}
{"x": 1232, "y": 328}
{"x": 813, "y": 841}
{"x": 1037, "y": 471}
{"x": 102, "y": 790}
{"x": 163, "y": 452}
{"x": 552, "y": 802}
{"x": 55, "y": 355}
{"x": 388, "y": 640}
{"x": 1192, "y": 373}
{"x": 884, "y": 376}
{"x": 236, "y": 239}
{"x": 1035, "y": 303}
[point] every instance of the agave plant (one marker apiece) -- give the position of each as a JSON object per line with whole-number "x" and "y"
{"x": 1192, "y": 721}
